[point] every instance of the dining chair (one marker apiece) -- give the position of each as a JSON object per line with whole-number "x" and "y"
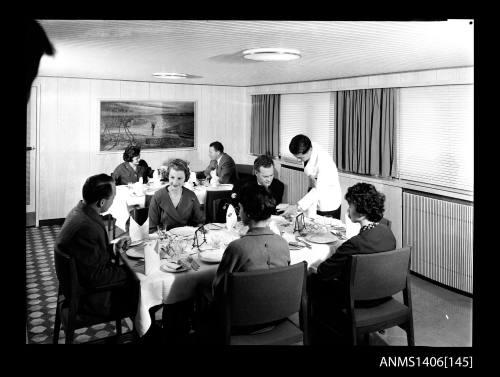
{"x": 140, "y": 215}
{"x": 213, "y": 214}
{"x": 262, "y": 297}
{"x": 110, "y": 222}
{"x": 219, "y": 209}
{"x": 375, "y": 276}
{"x": 69, "y": 296}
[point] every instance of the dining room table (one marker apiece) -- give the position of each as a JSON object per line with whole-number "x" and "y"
{"x": 189, "y": 257}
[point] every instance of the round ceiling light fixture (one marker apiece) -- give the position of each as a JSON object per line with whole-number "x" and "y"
{"x": 170, "y": 75}
{"x": 271, "y": 54}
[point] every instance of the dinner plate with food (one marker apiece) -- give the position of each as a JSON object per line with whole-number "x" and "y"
{"x": 168, "y": 266}
{"x": 321, "y": 237}
{"x": 211, "y": 255}
{"x": 135, "y": 253}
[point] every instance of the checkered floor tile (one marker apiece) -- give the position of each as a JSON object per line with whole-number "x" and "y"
{"x": 41, "y": 292}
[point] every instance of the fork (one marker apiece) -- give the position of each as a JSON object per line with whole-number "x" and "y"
{"x": 194, "y": 265}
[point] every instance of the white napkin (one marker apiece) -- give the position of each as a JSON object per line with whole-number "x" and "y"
{"x": 214, "y": 182}
{"x": 351, "y": 229}
{"x": 231, "y": 218}
{"x": 309, "y": 203}
{"x": 138, "y": 232}
{"x": 152, "y": 261}
{"x": 138, "y": 187}
{"x": 156, "y": 178}
{"x": 192, "y": 177}
{"x": 274, "y": 227}
{"x": 288, "y": 237}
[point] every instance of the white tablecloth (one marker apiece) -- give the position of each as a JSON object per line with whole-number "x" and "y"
{"x": 166, "y": 288}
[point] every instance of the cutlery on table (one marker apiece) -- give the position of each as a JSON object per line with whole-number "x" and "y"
{"x": 308, "y": 245}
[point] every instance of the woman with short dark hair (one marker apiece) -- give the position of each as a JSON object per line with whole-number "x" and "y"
{"x": 132, "y": 168}
{"x": 328, "y": 286}
{"x": 175, "y": 205}
{"x": 258, "y": 249}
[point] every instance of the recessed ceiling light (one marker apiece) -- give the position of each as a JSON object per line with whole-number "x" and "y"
{"x": 170, "y": 75}
{"x": 271, "y": 54}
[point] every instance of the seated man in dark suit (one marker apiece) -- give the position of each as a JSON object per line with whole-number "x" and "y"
{"x": 84, "y": 236}
{"x": 328, "y": 287}
{"x": 263, "y": 167}
{"x": 221, "y": 163}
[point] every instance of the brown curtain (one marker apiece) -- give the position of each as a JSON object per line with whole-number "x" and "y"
{"x": 365, "y": 125}
{"x": 264, "y": 137}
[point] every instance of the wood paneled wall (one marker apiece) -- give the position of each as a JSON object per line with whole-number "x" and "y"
{"x": 69, "y": 132}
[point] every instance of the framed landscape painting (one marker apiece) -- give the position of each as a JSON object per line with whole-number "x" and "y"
{"x": 148, "y": 124}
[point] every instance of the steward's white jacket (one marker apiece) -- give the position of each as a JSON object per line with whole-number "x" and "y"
{"x": 326, "y": 195}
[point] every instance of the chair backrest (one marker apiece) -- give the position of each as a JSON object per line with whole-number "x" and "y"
{"x": 67, "y": 275}
{"x": 219, "y": 209}
{"x": 378, "y": 275}
{"x": 262, "y": 296}
{"x": 140, "y": 215}
{"x": 212, "y": 195}
{"x": 244, "y": 171}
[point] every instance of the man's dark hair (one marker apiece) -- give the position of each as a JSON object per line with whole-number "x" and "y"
{"x": 130, "y": 152}
{"x": 263, "y": 160}
{"x": 97, "y": 187}
{"x": 36, "y": 44}
{"x": 257, "y": 202}
{"x": 367, "y": 200}
{"x": 217, "y": 146}
{"x": 299, "y": 144}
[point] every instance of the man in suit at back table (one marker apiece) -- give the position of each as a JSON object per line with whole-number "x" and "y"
{"x": 221, "y": 163}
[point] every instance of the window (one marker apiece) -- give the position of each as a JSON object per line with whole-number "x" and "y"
{"x": 436, "y": 136}
{"x": 311, "y": 114}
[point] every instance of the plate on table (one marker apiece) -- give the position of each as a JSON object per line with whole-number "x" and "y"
{"x": 172, "y": 267}
{"x": 211, "y": 255}
{"x": 282, "y": 206}
{"x": 183, "y": 231}
{"x": 135, "y": 253}
{"x": 136, "y": 243}
{"x": 215, "y": 226}
{"x": 321, "y": 238}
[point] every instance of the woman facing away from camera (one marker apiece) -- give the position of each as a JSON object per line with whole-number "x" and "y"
{"x": 133, "y": 168}
{"x": 259, "y": 249}
{"x": 328, "y": 286}
{"x": 175, "y": 205}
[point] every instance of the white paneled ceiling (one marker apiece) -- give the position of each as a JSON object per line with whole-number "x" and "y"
{"x": 211, "y": 50}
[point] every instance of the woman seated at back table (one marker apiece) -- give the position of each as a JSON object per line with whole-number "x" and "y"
{"x": 328, "y": 287}
{"x": 258, "y": 249}
{"x": 132, "y": 168}
{"x": 174, "y": 205}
